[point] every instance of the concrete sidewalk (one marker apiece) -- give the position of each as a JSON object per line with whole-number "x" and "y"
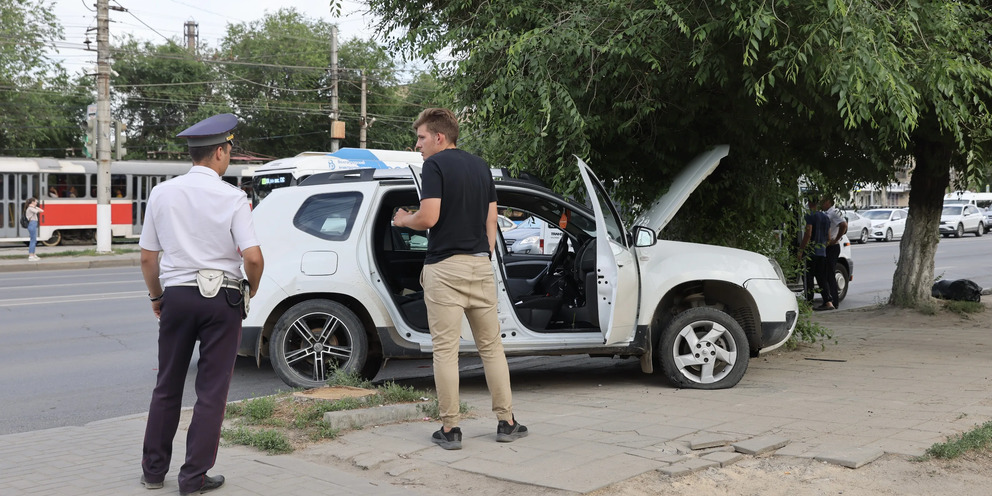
{"x": 890, "y": 385}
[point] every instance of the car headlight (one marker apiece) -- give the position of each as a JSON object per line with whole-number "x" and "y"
{"x": 778, "y": 270}
{"x": 530, "y": 240}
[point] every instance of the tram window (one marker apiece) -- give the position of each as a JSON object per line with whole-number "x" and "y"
{"x": 67, "y": 185}
{"x": 118, "y": 185}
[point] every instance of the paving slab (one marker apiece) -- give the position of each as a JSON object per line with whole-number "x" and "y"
{"x": 709, "y": 440}
{"x": 688, "y": 466}
{"x": 760, "y": 445}
{"x": 724, "y": 458}
{"x": 851, "y": 458}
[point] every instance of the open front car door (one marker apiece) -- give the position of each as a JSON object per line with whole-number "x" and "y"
{"x": 617, "y": 277}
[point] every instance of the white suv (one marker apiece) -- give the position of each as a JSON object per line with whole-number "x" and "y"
{"x": 341, "y": 286}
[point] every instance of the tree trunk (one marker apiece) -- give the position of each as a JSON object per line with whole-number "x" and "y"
{"x": 914, "y": 271}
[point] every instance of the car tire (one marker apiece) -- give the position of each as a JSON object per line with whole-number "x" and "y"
{"x": 843, "y": 277}
{"x": 888, "y": 234}
{"x": 864, "y": 236}
{"x": 979, "y": 230}
{"x": 695, "y": 331}
{"x": 312, "y": 339}
{"x": 959, "y": 232}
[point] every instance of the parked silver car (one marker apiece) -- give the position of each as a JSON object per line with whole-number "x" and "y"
{"x": 858, "y": 227}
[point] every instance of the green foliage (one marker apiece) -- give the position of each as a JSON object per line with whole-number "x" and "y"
{"x": 41, "y": 107}
{"x": 304, "y": 418}
{"x": 807, "y": 330}
{"x": 979, "y": 438}
{"x": 391, "y": 392}
{"x": 964, "y": 308}
{"x": 353, "y": 379}
{"x": 271, "y": 441}
{"x": 845, "y": 91}
{"x": 254, "y": 410}
{"x": 160, "y": 90}
{"x": 278, "y": 70}
{"x": 432, "y": 409}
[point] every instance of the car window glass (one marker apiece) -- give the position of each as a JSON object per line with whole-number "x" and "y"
{"x": 328, "y": 216}
{"x": 878, "y": 214}
{"x": 613, "y": 227}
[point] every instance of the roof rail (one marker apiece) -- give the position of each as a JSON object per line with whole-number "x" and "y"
{"x": 369, "y": 174}
{"x": 355, "y": 175}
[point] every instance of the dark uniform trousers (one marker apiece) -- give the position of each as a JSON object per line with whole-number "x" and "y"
{"x": 833, "y": 253}
{"x": 187, "y": 317}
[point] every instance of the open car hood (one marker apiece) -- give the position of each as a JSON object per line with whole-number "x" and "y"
{"x": 664, "y": 208}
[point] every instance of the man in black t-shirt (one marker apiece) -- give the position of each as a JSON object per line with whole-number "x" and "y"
{"x": 458, "y": 205}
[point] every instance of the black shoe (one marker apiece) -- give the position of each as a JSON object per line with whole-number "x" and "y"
{"x": 823, "y": 307}
{"x": 451, "y": 440}
{"x": 506, "y": 433}
{"x": 209, "y": 484}
{"x": 151, "y": 485}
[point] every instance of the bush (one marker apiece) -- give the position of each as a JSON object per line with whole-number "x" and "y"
{"x": 808, "y": 331}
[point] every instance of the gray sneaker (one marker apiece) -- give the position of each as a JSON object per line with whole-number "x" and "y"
{"x": 506, "y": 433}
{"x": 451, "y": 440}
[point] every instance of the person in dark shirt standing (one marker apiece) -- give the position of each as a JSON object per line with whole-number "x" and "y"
{"x": 458, "y": 205}
{"x": 817, "y": 229}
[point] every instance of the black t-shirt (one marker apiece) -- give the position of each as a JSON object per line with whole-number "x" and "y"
{"x": 465, "y": 186}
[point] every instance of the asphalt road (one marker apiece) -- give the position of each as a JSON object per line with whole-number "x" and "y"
{"x": 875, "y": 264}
{"x": 81, "y": 345}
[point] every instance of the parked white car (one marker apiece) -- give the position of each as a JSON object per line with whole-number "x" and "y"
{"x": 955, "y": 220}
{"x": 886, "y": 223}
{"x": 505, "y": 224}
{"x": 858, "y": 227}
{"x": 341, "y": 289}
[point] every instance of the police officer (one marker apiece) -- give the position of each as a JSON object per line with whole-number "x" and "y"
{"x": 203, "y": 229}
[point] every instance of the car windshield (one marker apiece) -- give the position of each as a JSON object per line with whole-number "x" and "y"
{"x": 951, "y": 210}
{"x": 878, "y": 214}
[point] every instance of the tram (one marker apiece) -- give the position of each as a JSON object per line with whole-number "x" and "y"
{"x": 66, "y": 189}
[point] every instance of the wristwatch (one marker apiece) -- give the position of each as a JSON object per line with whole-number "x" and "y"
{"x": 155, "y": 298}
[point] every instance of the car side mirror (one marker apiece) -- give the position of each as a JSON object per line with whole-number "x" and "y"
{"x": 644, "y": 236}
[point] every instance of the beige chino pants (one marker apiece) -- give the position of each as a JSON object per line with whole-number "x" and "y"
{"x": 464, "y": 285}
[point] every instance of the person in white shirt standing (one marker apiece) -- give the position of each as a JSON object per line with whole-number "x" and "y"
{"x": 202, "y": 227}
{"x": 838, "y": 228}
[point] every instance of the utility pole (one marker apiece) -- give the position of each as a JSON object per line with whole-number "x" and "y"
{"x": 103, "y": 234}
{"x": 363, "y": 131}
{"x": 334, "y": 88}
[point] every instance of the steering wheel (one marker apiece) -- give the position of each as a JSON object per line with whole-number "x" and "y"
{"x": 557, "y": 259}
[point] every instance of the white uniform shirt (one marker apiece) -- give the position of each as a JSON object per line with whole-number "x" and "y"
{"x": 836, "y": 218}
{"x": 199, "y": 222}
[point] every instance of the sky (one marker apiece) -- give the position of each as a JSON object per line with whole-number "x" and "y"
{"x": 156, "y": 20}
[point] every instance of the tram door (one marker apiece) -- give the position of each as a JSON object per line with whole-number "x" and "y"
{"x": 14, "y": 190}
{"x": 141, "y": 189}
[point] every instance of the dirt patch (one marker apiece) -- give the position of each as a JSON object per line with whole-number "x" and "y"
{"x": 334, "y": 393}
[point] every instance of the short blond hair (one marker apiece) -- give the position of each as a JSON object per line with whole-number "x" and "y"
{"x": 439, "y": 121}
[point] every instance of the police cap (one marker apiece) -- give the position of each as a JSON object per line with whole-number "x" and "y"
{"x": 210, "y": 131}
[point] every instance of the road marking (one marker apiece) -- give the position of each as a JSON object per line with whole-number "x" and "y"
{"x": 48, "y": 300}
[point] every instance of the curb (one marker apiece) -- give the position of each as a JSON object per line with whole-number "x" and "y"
{"x": 364, "y": 417}
{"x": 117, "y": 261}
